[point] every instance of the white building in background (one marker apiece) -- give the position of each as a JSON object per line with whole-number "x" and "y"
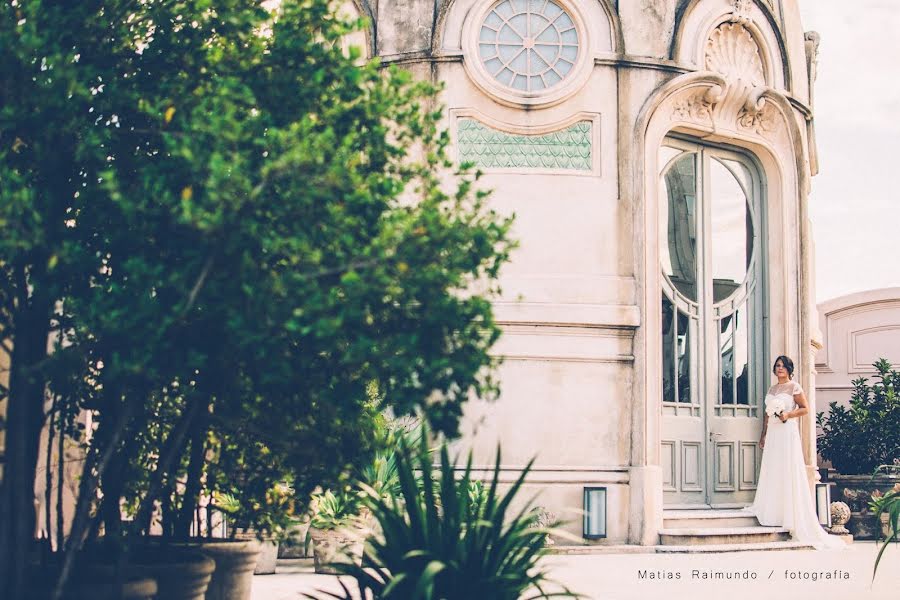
{"x": 857, "y": 330}
{"x": 657, "y": 155}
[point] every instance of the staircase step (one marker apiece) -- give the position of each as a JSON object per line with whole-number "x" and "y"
{"x": 742, "y": 547}
{"x": 710, "y": 536}
{"x": 692, "y": 519}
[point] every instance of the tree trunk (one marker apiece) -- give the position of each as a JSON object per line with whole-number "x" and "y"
{"x": 25, "y": 418}
{"x": 193, "y": 486}
{"x": 60, "y": 516}
{"x": 171, "y": 450}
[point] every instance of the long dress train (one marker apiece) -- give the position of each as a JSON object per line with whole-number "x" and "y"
{"x": 782, "y": 497}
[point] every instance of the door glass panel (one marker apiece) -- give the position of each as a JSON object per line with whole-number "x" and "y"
{"x": 741, "y": 358}
{"x": 668, "y": 344}
{"x": 726, "y": 363}
{"x": 678, "y": 225}
{"x": 731, "y": 245}
{"x": 684, "y": 358}
{"x": 667, "y": 153}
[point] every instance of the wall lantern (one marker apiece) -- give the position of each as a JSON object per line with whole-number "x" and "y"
{"x": 594, "y": 513}
{"x": 823, "y": 504}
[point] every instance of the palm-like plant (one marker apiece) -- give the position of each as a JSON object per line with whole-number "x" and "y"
{"x": 888, "y": 504}
{"x": 444, "y": 538}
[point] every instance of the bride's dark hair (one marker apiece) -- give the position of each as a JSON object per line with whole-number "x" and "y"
{"x": 787, "y": 363}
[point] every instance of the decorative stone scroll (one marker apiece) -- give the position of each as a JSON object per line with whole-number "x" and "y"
{"x": 738, "y": 103}
{"x": 740, "y": 12}
{"x": 488, "y": 148}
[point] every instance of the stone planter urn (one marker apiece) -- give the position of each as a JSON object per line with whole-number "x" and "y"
{"x": 233, "y": 560}
{"x": 336, "y": 546}
{"x": 267, "y": 561}
{"x": 179, "y": 574}
{"x": 886, "y": 527}
{"x": 294, "y": 546}
{"x": 137, "y": 589}
{"x": 856, "y": 491}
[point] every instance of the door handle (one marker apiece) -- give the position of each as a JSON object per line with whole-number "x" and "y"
{"x": 713, "y": 435}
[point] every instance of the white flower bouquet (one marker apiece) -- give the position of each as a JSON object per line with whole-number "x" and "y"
{"x": 774, "y": 406}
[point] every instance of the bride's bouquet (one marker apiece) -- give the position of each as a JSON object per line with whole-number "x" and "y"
{"x": 774, "y": 406}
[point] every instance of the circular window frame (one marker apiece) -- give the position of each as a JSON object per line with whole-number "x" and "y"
{"x": 510, "y": 96}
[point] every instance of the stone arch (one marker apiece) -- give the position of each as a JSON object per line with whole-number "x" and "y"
{"x": 712, "y": 108}
{"x": 451, "y": 14}
{"x": 698, "y": 20}
{"x": 363, "y": 10}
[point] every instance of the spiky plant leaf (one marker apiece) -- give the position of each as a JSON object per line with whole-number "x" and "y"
{"x": 439, "y": 540}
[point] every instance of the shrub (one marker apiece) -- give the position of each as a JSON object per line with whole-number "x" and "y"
{"x": 858, "y": 439}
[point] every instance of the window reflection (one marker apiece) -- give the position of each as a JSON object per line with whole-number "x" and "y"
{"x": 734, "y": 359}
{"x": 732, "y": 231}
{"x": 684, "y": 358}
{"x": 726, "y": 364}
{"x": 676, "y": 354}
{"x": 678, "y": 225}
{"x": 668, "y": 341}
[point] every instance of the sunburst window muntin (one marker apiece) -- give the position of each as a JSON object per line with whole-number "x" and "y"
{"x": 529, "y": 46}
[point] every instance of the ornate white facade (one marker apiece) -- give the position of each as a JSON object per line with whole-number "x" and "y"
{"x": 657, "y": 155}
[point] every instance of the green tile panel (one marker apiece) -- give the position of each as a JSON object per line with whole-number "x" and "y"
{"x": 489, "y": 148}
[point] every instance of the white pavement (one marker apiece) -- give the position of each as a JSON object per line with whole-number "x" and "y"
{"x": 790, "y": 575}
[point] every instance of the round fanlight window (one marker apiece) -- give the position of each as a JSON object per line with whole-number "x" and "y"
{"x": 528, "y": 46}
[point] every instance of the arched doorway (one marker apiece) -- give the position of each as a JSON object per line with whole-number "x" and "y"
{"x": 711, "y": 250}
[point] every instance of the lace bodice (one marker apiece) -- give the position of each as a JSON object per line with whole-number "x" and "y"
{"x": 787, "y": 392}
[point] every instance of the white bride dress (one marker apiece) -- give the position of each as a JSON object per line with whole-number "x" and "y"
{"x": 782, "y": 497}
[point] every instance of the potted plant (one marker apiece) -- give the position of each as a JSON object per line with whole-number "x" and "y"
{"x": 862, "y": 442}
{"x": 887, "y": 508}
{"x": 269, "y": 537}
{"x": 337, "y": 530}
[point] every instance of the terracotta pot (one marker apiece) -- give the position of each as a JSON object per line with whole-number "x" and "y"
{"x": 335, "y": 546}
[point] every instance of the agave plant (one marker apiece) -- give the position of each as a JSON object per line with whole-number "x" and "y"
{"x": 335, "y": 510}
{"x": 447, "y": 537}
{"x": 887, "y": 504}
{"x": 381, "y": 473}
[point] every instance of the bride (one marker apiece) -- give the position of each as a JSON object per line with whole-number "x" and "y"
{"x": 783, "y": 498}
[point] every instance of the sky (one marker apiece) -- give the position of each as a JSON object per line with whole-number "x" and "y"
{"x": 855, "y": 203}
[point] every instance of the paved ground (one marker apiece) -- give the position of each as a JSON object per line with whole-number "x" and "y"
{"x": 793, "y": 575}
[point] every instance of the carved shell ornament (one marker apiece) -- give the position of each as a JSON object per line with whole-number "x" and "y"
{"x": 733, "y": 52}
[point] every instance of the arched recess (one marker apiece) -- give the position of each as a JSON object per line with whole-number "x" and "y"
{"x": 711, "y": 108}
{"x": 699, "y": 18}
{"x": 365, "y": 38}
{"x": 605, "y": 29}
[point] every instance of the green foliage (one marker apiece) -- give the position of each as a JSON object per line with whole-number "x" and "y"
{"x": 858, "y": 439}
{"x": 390, "y": 435}
{"x": 887, "y": 504}
{"x": 236, "y": 228}
{"x": 450, "y": 538}
{"x": 336, "y": 510}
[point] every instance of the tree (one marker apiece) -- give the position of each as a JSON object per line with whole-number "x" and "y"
{"x": 220, "y": 213}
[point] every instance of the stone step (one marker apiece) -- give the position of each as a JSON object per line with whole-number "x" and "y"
{"x": 742, "y": 547}
{"x": 692, "y": 519}
{"x": 712, "y": 536}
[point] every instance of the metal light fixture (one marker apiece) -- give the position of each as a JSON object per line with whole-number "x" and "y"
{"x": 594, "y": 513}
{"x": 823, "y": 504}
